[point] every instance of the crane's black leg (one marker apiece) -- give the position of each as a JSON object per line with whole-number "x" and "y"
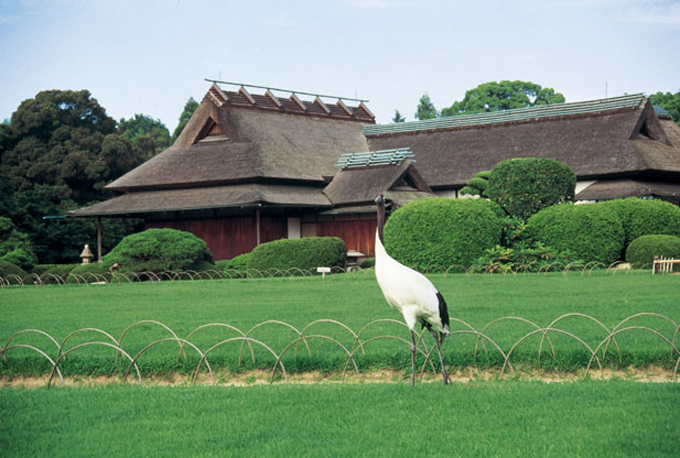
{"x": 413, "y": 358}
{"x": 441, "y": 360}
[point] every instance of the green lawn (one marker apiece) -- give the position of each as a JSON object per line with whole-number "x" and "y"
{"x": 354, "y": 300}
{"x": 509, "y": 419}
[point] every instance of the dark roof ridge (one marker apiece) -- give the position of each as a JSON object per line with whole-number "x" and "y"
{"x": 584, "y": 108}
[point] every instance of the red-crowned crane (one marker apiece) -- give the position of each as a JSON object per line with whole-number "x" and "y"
{"x": 411, "y": 293}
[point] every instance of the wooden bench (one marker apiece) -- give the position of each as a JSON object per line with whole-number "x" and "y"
{"x": 663, "y": 265}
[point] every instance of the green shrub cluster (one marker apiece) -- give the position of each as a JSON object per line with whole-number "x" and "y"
{"x": 160, "y": 250}
{"x": 646, "y": 217}
{"x": 527, "y": 258}
{"x": 592, "y": 232}
{"x": 641, "y": 251}
{"x": 523, "y": 186}
{"x": 443, "y": 232}
{"x": 305, "y": 254}
{"x": 367, "y": 263}
{"x": 60, "y": 270}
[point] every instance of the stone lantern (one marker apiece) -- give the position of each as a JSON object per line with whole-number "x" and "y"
{"x": 86, "y": 255}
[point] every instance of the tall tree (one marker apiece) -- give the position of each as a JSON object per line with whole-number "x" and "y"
{"x": 668, "y": 101}
{"x": 62, "y": 149}
{"x": 188, "y": 111}
{"x": 506, "y": 95}
{"x": 398, "y": 117}
{"x": 148, "y": 136}
{"x": 426, "y": 109}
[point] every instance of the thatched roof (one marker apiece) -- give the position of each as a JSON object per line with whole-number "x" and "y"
{"x": 352, "y": 186}
{"x": 616, "y": 189}
{"x": 191, "y": 199}
{"x": 613, "y": 137}
{"x": 229, "y": 139}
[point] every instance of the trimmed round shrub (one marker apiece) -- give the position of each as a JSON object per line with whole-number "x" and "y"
{"x": 443, "y": 232}
{"x": 646, "y": 217}
{"x": 367, "y": 263}
{"x": 7, "y": 269}
{"x": 641, "y": 251}
{"x": 239, "y": 263}
{"x": 160, "y": 250}
{"x": 85, "y": 271}
{"x": 305, "y": 254}
{"x": 591, "y": 232}
{"x": 523, "y": 186}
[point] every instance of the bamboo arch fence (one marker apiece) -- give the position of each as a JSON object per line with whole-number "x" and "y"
{"x": 353, "y": 343}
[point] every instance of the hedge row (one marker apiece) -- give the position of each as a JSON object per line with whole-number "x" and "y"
{"x": 305, "y": 254}
{"x": 602, "y": 231}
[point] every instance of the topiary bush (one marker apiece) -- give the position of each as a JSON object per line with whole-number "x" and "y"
{"x": 305, "y": 254}
{"x": 443, "y": 232}
{"x": 523, "y": 186}
{"x": 160, "y": 250}
{"x": 7, "y": 269}
{"x": 85, "y": 271}
{"x": 641, "y": 251}
{"x": 238, "y": 263}
{"x": 367, "y": 263}
{"x": 646, "y": 217}
{"x": 591, "y": 232}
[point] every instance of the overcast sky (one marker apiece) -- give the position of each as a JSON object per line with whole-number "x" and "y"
{"x": 149, "y": 57}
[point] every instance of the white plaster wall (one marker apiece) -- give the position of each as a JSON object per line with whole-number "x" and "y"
{"x": 294, "y": 231}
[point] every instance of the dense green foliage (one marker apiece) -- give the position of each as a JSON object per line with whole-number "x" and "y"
{"x": 305, "y": 254}
{"x": 642, "y": 250}
{"x": 189, "y": 109}
{"x": 646, "y": 217}
{"x": 591, "y": 232}
{"x": 668, "y": 101}
{"x": 443, "y": 232}
{"x": 506, "y": 95}
{"x": 148, "y": 136}
{"x": 426, "y": 109}
{"x": 523, "y": 186}
{"x": 481, "y": 419}
{"x": 159, "y": 250}
{"x": 15, "y": 247}
{"x": 525, "y": 258}
{"x": 57, "y": 153}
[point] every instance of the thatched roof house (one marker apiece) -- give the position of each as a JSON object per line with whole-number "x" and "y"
{"x": 250, "y": 168}
{"x": 618, "y": 147}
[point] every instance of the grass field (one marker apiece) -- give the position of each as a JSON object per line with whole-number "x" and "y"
{"x": 353, "y": 300}
{"x": 509, "y": 419}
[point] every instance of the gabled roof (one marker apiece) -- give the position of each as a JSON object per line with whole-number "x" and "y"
{"x": 239, "y": 137}
{"x": 191, "y": 199}
{"x": 359, "y": 185}
{"x": 618, "y": 189}
{"x": 612, "y": 137}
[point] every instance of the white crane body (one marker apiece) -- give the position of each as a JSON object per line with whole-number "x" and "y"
{"x": 411, "y": 293}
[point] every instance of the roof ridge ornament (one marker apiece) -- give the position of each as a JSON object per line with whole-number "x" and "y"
{"x": 374, "y": 158}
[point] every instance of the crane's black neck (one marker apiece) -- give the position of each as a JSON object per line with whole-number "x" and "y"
{"x": 381, "y": 219}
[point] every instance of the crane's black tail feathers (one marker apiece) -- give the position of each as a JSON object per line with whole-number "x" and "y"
{"x": 443, "y": 315}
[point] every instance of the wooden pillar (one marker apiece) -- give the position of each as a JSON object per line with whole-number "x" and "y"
{"x": 257, "y": 226}
{"x": 99, "y": 239}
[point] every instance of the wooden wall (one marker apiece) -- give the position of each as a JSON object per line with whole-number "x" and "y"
{"x": 358, "y": 233}
{"x": 229, "y": 237}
